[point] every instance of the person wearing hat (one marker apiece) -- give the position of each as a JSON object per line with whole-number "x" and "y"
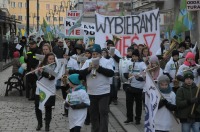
{"x": 32, "y": 64}
{"x": 98, "y": 88}
{"x": 77, "y": 102}
{"x": 164, "y": 120}
{"x": 71, "y": 64}
{"x": 134, "y": 91}
{"x": 188, "y": 64}
{"x": 59, "y": 50}
{"x": 185, "y": 99}
{"x": 171, "y": 69}
{"x": 116, "y": 79}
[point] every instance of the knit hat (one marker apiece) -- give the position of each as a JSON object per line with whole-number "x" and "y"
{"x": 136, "y": 53}
{"x": 175, "y": 52}
{"x": 96, "y": 48}
{"x": 74, "y": 79}
{"x": 188, "y": 74}
{"x": 163, "y": 78}
{"x": 16, "y": 54}
{"x": 190, "y": 55}
{"x": 154, "y": 59}
{"x": 109, "y": 42}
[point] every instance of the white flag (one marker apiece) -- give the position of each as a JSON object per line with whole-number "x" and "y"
{"x": 152, "y": 98}
{"x": 44, "y": 93}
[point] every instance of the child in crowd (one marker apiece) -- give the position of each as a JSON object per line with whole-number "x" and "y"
{"x": 185, "y": 100}
{"x": 154, "y": 67}
{"x": 77, "y": 102}
{"x": 16, "y": 62}
{"x": 166, "y": 105}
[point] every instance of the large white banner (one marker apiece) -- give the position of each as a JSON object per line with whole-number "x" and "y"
{"x": 141, "y": 29}
{"x": 152, "y": 98}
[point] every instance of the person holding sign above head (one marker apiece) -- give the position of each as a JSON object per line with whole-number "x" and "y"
{"x": 77, "y": 102}
{"x": 134, "y": 91}
{"x": 48, "y": 80}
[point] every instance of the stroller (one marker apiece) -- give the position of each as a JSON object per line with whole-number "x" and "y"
{"x": 15, "y": 82}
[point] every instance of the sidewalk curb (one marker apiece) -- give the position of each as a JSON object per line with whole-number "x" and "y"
{"x": 118, "y": 115}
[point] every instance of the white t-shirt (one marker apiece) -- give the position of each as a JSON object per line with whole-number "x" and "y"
{"x": 101, "y": 84}
{"x": 77, "y": 116}
{"x": 139, "y": 67}
{"x": 171, "y": 69}
{"x": 117, "y": 53}
{"x": 164, "y": 119}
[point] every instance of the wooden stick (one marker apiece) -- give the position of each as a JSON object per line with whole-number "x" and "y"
{"x": 38, "y": 69}
{"x": 197, "y": 93}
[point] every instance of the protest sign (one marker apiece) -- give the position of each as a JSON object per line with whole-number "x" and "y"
{"x": 141, "y": 29}
{"x": 86, "y": 29}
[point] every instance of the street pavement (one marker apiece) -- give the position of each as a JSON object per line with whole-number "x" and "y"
{"x": 17, "y": 114}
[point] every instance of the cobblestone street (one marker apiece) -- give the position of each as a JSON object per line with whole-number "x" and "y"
{"x": 18, "y": 114}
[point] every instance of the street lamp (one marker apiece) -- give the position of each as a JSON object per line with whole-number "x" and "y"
{"x": 52, "y": 13}
{"x": 69, "y": 4}
{"x": 33, "y": 16}
{"x": 58, "y": 9}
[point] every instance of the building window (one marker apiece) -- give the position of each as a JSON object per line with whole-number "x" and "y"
{"x": 48, "y": 18}
{"x": 20, "y": 18}
{"x": 55, "y": 18}
{"x": 20, "y": 4}
{"x": 54, "y": 7}
{"x": 12, "y": 4}
{"x": 61, "y": 19}
{"x": 48, "y": 6}
{"x": 13, "y": 16}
